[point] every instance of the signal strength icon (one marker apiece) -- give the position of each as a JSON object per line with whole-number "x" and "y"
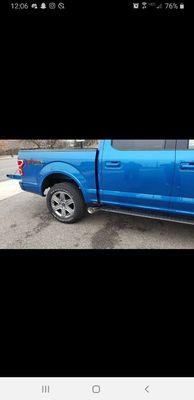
{"x": 160, "y": 6}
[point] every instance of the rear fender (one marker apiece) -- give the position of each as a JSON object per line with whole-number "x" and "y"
{"x": 65, "y": 169}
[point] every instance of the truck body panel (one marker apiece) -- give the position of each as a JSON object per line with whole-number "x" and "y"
{"x": 158, "y": 178}
{"x": 75, "y": 164}
{"x": 136, "y": 178}
{"x": 183, "y": 187}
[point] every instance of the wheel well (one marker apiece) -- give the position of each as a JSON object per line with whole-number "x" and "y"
{"x": 51, "y": 180}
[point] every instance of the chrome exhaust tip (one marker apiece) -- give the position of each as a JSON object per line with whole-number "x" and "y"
{"x": 93, "y": 210}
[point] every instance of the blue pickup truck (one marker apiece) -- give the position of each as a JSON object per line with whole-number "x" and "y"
{"x": 149, "y": 178}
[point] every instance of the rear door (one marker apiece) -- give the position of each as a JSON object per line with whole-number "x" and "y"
{"x": 183, "y": 188}
{"x": 137, "y": 173}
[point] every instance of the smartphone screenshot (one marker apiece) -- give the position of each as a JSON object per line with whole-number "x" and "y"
{"x": 96, "y": 200}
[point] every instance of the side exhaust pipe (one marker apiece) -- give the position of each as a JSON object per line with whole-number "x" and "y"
{"x": 93, "y": 210}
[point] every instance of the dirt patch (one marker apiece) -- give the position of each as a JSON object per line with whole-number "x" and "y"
{"x": 45, "y": 220}
{"x": 125, "y": 222}
{"x": 105, "y": 238}
{"x": 108, "y": 236}
{"x": 13, "y": 226}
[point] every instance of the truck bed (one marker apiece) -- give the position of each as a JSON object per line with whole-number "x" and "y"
{"x": 77, "y": 164}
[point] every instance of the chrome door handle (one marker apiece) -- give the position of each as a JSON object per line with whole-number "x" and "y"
{"x": 187, "y": 165}
{"x": 113, "y": 164}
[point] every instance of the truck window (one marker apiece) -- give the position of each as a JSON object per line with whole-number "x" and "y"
{"x": 191, "y": 144}
{"x": 139, "y": 144}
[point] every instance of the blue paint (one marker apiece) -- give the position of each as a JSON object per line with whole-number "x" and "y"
{"x": 149, "y": 179}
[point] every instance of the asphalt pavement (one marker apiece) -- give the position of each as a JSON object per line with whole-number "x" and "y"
{"x": 25, "y": 223}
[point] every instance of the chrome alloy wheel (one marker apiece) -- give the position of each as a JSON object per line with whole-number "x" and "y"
{"x": 62, "y": 204}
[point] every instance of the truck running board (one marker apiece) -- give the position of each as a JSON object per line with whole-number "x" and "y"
{"x": 145, "y": 214}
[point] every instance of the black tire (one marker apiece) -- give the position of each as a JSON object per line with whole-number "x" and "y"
{"x": 71, "y": 190}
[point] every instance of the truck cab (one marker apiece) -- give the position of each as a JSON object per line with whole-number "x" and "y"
{"x": 149, "y": 174}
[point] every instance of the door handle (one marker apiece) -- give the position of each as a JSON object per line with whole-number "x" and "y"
{"x": 113, "y": 164}
{"x": 187, "y": 165}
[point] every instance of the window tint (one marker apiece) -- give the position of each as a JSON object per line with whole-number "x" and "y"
{"x": 139, "y": 144}
{"x": 191, "y": 144}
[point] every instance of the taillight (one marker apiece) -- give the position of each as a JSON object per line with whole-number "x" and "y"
{"x": 20, "y": 167}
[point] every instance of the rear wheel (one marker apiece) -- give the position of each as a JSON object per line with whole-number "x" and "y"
{"x": 65, "y": 202}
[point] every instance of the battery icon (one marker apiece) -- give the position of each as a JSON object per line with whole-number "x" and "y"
{"x": 182, "y": 6}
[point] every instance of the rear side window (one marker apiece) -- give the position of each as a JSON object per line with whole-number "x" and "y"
{"x": 191, "y": 144}
{"x": 139, "y": 144}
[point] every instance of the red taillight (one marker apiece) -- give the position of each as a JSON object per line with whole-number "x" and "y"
{"x": 20, "y": 167}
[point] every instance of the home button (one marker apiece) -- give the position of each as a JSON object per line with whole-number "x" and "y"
{"x": 96, "y": 389}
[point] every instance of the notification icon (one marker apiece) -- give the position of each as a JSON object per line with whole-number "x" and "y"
{"x": 61, "y": 6}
